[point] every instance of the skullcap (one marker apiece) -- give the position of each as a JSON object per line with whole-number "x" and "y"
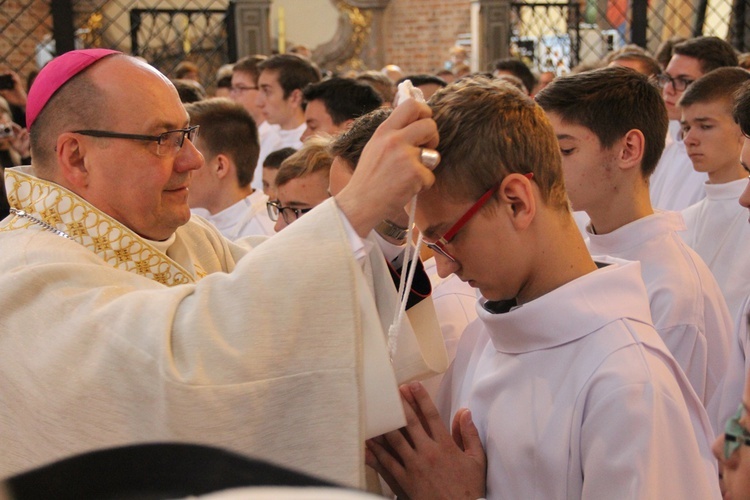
{"x": 56, "y": 74}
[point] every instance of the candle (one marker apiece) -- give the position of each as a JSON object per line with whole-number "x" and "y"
{"x": 282, "y": 31}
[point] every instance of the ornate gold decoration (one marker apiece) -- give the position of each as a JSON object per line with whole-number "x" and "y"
{"x": 65, "y": 212}
{"x": 91, "y": 33}
{"x": 360, "y": 22}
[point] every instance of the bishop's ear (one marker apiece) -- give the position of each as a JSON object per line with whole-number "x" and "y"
{"x": 71, "y": 151}
{"x": 517, "y": 198}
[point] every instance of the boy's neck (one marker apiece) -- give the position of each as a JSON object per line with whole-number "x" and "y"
{"x": 620, "y": 210}
{"x": 727, "y": 174}
{"x": 565, "y": 258}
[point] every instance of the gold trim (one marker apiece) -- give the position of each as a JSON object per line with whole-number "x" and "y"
{"x": 117, "y": 245}
{"x": 361, "y": 22}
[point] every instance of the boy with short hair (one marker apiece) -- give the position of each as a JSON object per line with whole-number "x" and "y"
{"x": 301, "y": 182}
{"x": 675, "y": 185}
{"x": 271, "y": 168}
{"x": 220, "y": 190}
{"x": 572, "y": 392}
{"x": 724, "y": 404}
{"x": 607, "y": 163}
{"x": 717, "y": 227}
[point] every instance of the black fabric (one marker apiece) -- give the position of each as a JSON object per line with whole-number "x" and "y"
{"x": 504, "y": 306}
{"x": 4, "y": 205}
{"x": 150, "y": 472}
{"x": 420, "y": 287}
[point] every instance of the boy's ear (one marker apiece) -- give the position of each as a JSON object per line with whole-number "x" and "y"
{"x": 517, "y": 197}
{"x": 632, "y": 148}
{"x": 295, "y": 97}
{"x": 221, "y": 165}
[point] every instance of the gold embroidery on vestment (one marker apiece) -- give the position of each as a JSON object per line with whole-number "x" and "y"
{"x": 109, "y": 239}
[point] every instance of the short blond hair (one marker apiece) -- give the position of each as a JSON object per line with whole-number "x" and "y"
{"x": 314, "y": 156}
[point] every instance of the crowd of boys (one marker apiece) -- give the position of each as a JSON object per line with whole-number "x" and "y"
{"x": 583, "y": 271}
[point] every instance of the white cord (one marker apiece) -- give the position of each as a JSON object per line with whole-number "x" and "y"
{"x": 404, "y": 286}
{"x": 405, "y": 91}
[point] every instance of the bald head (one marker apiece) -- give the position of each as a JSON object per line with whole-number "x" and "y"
{"x": 99, "y": 97}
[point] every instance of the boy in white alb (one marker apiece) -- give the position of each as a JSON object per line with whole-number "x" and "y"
{"x": 724, "y": 403}
{"x": 280, "y": 100}
{"x": 573, "y": 393}
{"x": 674, "y": 184}
{"x": 717, "y": 227}
{"x": 607, "y": 164}
{"x": 221, "y": 191}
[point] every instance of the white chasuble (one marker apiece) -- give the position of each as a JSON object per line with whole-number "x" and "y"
{"x": 106, "y": 341}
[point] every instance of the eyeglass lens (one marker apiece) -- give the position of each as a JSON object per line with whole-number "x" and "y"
{"x": 679, "y": 84}
{"x": 273, "y": 210}
{"x": 172, "y": 141}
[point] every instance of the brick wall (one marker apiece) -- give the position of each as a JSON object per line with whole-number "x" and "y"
{"x": 419, "y": 33}
{"x": 24, "y": 25}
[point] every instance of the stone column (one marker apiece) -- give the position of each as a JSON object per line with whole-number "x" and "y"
{"x": 252, "y": 27}
{"x": 491, "y": 31}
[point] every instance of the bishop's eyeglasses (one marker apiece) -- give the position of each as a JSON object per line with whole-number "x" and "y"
{"x": 167, "y": 143}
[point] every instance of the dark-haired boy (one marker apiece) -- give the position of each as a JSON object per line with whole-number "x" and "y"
{"x": 221, "y": 190}
{"x": 674, "y": 184}
{"x": 332, "y": 105}
{"x": 607, "y": 164}
{"x": 271, "y": 166}
{"x": 717, "y": 227}
{"x": 725, "y": 404}
{"x": 281, "y": 79}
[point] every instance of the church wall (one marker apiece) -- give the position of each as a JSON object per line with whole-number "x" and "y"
{"x": 419, "y": 33}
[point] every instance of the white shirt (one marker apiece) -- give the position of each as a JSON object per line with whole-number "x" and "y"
{"x": 273, "y": 138}
{"x": 718, "y": 230}
{"x": 687, "y": 306}
{"x": 455, "y": 306}
{"x": 726, "y": 400}
{"x": 575, "y": 396}
{"x": 247, "y": 217}
{"x": 675, "y": 185}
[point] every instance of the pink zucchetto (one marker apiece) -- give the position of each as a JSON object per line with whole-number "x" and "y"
{"x": 56, "y": 74}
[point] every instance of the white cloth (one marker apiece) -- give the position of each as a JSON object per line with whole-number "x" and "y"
{"x": 718, "y": 230}
{"x": 455, "y": 306}
{"x": 273, "y": 138}
{"x": 265, "y": 360}
{"x": 675, "y": 185}
{"x": 687, "y": 306}
{"x": 575, "y": 396}
{"x": 247, "y": 217}
{"x": 729, "y": 395}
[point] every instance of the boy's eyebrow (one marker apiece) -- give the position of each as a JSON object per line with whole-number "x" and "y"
{"x": 684, "y": 76}
{"x": 700, "y": 119}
